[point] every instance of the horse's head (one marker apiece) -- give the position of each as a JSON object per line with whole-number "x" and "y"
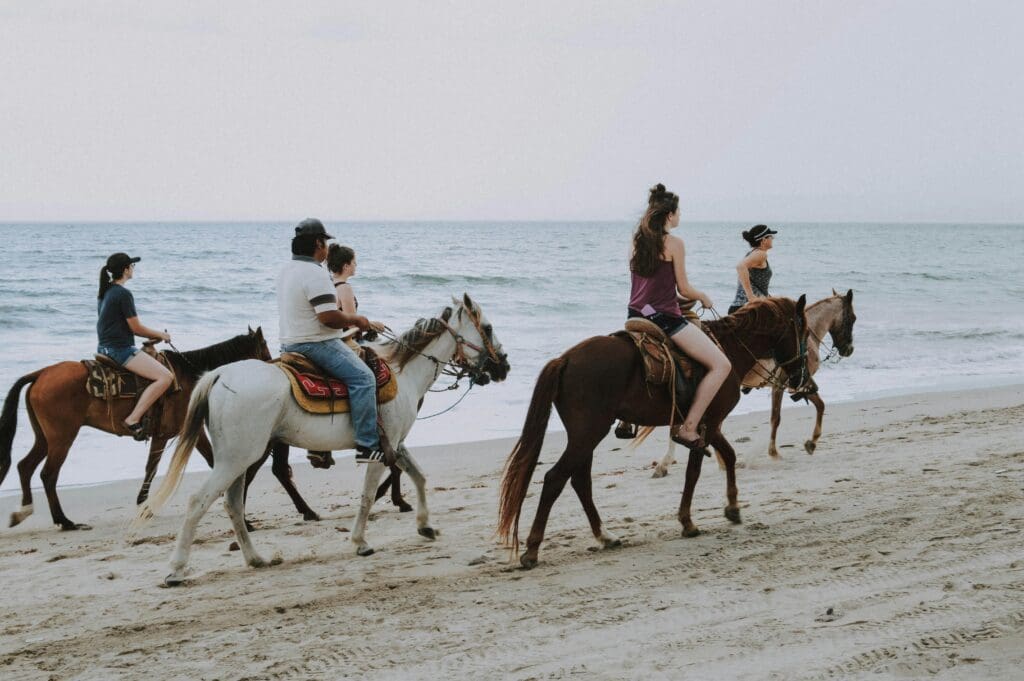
{"x": 790, "y": 353}
{"x": 478, "y": 351}
{"x": 258, "y": 344}
{"x": 841, "y": 329}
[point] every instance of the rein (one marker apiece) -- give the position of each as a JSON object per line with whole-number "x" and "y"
{"x": 772, "y": 378}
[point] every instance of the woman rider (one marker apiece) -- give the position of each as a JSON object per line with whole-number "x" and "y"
{"x": 117, "y": 326}
{"x": 341, "y": 262}
{"x": 658, "y": 273}
{"x": 753, "y": 271}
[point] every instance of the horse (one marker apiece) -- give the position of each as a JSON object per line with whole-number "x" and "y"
{"x": 59, "y": 405}
{"x": 248, "y": 404}
{"x": 601, "y": 379}
{"x": 832, "y": 315}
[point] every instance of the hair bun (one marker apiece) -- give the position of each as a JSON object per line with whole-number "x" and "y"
{"x": 658, "y": 192}
{"x": 746, "y": 234}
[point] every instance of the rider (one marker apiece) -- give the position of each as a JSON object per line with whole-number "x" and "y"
{"x": 311, "y": 324}
{"x": 341, "y": 263}
{"x": 658, "y": 272}
{"x": 753, "y": 271}
{"x": 117, "y": 326}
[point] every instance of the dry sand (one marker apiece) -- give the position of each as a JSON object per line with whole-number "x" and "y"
{"x": 894, "y": 552}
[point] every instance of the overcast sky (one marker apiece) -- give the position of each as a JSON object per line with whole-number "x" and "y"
{"x": 759, "y": 110}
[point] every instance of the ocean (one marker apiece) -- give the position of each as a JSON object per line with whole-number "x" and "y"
{"x": 939, "y": 306}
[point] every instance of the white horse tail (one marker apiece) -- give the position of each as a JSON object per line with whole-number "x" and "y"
{"x": 191, "y": 430}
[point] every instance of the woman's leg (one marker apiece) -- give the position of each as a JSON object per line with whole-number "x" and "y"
{"x": 147, "y": 367}
{"x": 696, "y": 344}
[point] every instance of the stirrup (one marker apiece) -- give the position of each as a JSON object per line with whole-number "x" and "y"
{"x": 625, "y": 431}
{"x": 366, "y": 455}
{"x": 138, "y": 431}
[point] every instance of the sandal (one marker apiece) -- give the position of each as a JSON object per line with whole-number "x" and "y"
{"x": 137, "y": 431}
{"x": 697, "y": 443}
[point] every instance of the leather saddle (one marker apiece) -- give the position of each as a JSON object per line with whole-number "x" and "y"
{"x": 318, "y": 393}
{"x": 108, "y": 380}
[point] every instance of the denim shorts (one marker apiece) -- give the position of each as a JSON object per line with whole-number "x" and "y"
{"x": 121, "y": 355}
{"x": 669, "y": 323}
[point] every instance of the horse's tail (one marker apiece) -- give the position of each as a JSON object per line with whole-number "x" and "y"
{"x": 191, "y": 430}
{"x": 523, "y": 459}
{"x": 9, "y": 420}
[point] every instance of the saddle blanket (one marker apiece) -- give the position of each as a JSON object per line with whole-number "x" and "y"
{"x": 320, "y": 394}
{"x": 109, "y": 382}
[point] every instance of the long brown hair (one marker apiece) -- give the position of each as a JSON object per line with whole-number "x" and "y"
{"x": 649, "y": 238}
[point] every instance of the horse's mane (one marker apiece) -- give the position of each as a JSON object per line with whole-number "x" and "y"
{"x": 411, "y": 343}
{"x": 193, "y": 363}
{"x": 762, "y": 316}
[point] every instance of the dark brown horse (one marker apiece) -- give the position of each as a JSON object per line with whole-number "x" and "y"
{"x": 58, "y": 406}
{"x": 601, "y": 379}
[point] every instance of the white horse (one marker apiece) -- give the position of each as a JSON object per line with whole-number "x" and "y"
{"x": 248, "y": 404}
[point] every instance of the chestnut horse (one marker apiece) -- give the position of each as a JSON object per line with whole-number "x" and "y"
{"x": 59, "y": 405}
{"x": 601, "y": 379}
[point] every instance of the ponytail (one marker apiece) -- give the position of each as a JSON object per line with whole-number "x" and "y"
{"x": 105, "y": 282}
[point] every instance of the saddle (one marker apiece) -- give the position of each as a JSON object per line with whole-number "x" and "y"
{"x": 317, "y": 393}
{"x": 108, "y": 380}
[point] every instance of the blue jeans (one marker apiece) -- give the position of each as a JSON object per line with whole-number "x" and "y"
{"x": 121, "y": 355}
{"x": 338, "y": 360}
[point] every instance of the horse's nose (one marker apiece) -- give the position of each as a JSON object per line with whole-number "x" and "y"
{"x": 847, "y": 351}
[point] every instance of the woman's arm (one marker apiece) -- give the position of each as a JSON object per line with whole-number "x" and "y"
{"x": 676, "y": 251}
{"x": 346, "y": 299}
{"x": 754, "y": 259}
{"x": 140, "y": 330}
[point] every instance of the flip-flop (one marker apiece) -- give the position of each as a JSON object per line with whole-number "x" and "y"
{"x": 689, "y": 444}
{"x": 137, "y": 431}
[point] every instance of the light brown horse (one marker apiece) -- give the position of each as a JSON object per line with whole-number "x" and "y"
{"x": 601, "y": 379}
{"x": 829, "y": 316}
{"x": 58, "y": 406}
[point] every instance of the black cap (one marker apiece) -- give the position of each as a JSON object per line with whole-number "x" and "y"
{"x": 761, "y": 231}
{"x": 312, "y": 227}
{"x": 119, "y": 261}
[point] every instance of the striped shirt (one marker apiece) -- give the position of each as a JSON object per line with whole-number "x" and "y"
{"x": 303, "y": 290}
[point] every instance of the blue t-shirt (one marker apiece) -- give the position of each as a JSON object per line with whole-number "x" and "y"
{"x": 115, "y": 309}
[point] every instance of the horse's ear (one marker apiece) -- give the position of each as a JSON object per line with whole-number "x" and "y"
{"x": 250, "y": 330}
{"x": 801, "y": 303}
{"x": 259, "y": 332}
{"x": 467, "y": 301}
{"x": 455, "y": 301}
{"x": 849, "y": 296}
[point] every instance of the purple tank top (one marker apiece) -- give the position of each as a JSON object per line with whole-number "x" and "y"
{"x": 656, "y": 292}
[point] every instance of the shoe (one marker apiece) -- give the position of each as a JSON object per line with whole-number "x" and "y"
{"x": 690, "y": 444}
{"x": 367, "y": 455}
{"x": 625, "y": 431}
{"x": 137, "y": 431}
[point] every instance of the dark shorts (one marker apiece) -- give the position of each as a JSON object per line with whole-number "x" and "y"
{"x": 669, "y": 323}
{"x": 120, "y": 355}
{"x": 733, "y": 308}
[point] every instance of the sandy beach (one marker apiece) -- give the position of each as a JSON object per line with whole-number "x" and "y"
{"x": 893, "y": 552}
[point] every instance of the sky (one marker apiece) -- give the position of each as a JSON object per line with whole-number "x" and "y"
{"x": 760, "y": 111}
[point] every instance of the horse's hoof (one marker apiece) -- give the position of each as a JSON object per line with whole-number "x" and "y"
{"x": 70, "y": 527}
{"x": 258, "y": 562}
{"x": 527, "y": 562}
{"x": 311, "y": 515}
{"x": 774, "y": 454}
{"x": 612, "y": 543}
{"x": 249, "y": 527}
{"x": 428, "y": 532}
{"x": 659, "y": 472}
{"x": 733, "y": 514}
{"x": 173, "y": 580}
{"x": 404, "y": 507}
{"x": 364, "y": 551}
{"x": 16, "y": 519}
{"x": 810, "y": 446}
{"x": 691, "y": 532}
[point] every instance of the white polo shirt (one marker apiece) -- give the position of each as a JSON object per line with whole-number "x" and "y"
{"x": 303, "y": 290}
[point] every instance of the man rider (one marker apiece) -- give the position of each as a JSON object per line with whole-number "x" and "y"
{"x": 311, "y": 324}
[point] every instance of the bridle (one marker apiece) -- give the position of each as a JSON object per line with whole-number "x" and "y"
{"x": 773, "y": 377}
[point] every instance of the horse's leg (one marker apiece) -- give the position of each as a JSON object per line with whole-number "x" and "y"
{"x": 812, "y": 444}
{"x": 222, "y": 476}
{"x": 581, "y": 482}
{"x": 776, "y": 419}
{"x": 661, "y": 470}
{"x": 374, "y": 472}
{"x": 250, "y": 473}
{"x": 156, "y": 451}
{"x": 26, "y": 467}
{"x": 234, "y": 504}
{"x": 283, "y": 472}
{"x": 394, "y": 483}
{"x": 693, "y": 465}
{"x": 554, "y": 483}
{"x": 727, "y": 455}
{"x": 59, "y": 445}
{"x": 412, "y": 468}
